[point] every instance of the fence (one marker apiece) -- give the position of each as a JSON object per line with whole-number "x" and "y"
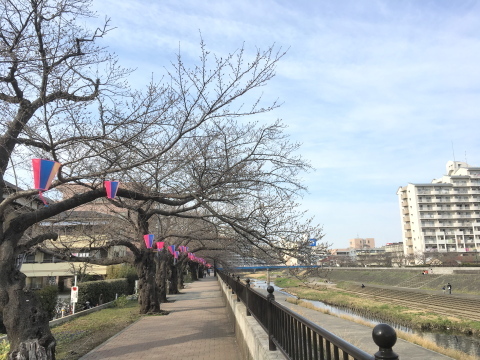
{"x": 300, "y": 339}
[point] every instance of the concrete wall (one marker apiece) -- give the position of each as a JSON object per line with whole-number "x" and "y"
{"x": 251, "y": 338}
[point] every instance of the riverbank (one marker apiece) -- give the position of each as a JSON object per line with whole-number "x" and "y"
{"x": 411, "y": 338}
{"x": 402, "y": 315}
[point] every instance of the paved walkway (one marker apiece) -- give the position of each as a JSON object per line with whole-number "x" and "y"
{"x": 196, "y": 328}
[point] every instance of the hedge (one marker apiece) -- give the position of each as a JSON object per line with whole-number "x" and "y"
{"x": 100, "y": 292}
{"x": 48, "y": 297}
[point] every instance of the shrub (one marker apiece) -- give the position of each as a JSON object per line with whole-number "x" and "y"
{"x": 48, "y": 298}
{"x": 4, "y": 349}
{"x": 123, "y": 271}
{"x": 121, "y": 302}
{"x": 100, "y": 292}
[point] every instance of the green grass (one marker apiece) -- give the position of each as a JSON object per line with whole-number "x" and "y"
{"x": 77, "y": 337}
{"x": 399, "y": 314}
{"x": 287, "y": 282}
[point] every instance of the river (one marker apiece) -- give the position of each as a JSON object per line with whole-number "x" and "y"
{"x": 447, "y": 339}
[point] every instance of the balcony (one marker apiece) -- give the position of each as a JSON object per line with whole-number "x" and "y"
{"x": 58, "y": 269}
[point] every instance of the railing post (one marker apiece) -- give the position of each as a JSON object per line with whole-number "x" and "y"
{"x": 234, "y": 284}
{"x": 247, "y": 297}
{"x": 238, "y": 284}
{"x": 385, "y": 337}
{"x": 270, "y": 298}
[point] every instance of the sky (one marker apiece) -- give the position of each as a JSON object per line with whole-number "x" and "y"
{"x": 380, "y": 93}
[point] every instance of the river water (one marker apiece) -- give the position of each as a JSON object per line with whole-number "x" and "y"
{"x": 447, "y": 339}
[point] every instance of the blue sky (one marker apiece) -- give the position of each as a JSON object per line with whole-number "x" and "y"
{"x": 380, "y": 93}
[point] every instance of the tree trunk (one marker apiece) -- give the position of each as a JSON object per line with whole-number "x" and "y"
{"x": 161, "y": 275}
{"x": 148, "y": 295}
{"x": 26, "y": 323}
{"x": 193, "y": 270}
{"x": 173, "y": 284}
{"x": 180, "y": 272}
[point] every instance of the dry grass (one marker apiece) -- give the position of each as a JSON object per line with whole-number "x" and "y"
{"x": 415, "y": 339}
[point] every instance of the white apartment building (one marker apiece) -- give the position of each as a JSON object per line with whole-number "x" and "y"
{"x": 444, "y": 215}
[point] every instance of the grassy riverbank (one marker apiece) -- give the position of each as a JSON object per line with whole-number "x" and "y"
{"x": 77, "y": 337}
{"x": 416, "y": 319}
{"x": 414, "y": 339}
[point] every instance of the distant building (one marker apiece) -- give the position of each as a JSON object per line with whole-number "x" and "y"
{"x": 359, "y": 243}
{"x": 442, "y": 216}
{"x": 342, "y": 257}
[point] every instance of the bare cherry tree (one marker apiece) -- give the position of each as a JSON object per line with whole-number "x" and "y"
{"x": 64, "y": 97}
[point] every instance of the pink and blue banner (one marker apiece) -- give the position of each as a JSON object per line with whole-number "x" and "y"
{"x": 148, "y": 240}
{"x": 171, "y": 249}
{"x": 111, "y": 187}
{"x": 160, "y": 245}
{"x": 43, "y": 173}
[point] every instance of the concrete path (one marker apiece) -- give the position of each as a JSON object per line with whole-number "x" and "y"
{"x": 196, "y": 328}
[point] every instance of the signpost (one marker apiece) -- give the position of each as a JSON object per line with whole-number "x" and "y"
{"x": 74, "y": 295}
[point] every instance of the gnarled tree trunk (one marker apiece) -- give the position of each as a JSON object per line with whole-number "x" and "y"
{"x": 173, "y": 277}
{"x": 161, "y": 275}
{"x": 193, "y": 270}
{"x": 148, "y": 296}
{"x": 26, "y": 323}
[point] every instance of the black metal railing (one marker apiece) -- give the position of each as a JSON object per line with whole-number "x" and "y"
{"x": 300, "y": 339}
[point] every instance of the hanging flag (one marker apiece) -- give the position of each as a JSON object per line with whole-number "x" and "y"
{"x": 313, "y": 242}
{"x": 175, "y": 254}
{"x": 160, "y": 245}
{"x": 111, "y": 187}
{"x": 43, "y": 173}
{"x": 148, "y": 240}
{"x": 171, "y": 249}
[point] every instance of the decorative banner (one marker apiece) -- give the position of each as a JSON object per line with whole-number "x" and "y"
{"x": 175, "y": 254}
{"x": 160, "y": 245}
{"x": 43, "y": 173}
{"x": 148, "y": 240}
{"x": 183, "y": 249}
{"x": 171, "y": 248}
{"x": 111, "y": 187}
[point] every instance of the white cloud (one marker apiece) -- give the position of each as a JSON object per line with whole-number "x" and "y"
{"x": 377, "y": 91}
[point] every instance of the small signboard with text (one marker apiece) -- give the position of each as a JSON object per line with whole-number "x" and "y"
{"x": 74, "y": 294}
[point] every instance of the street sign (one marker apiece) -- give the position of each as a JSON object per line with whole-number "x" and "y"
{"x": 74, "y": 294}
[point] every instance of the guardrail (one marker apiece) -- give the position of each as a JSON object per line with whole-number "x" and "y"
{"x": 300, "y": 339}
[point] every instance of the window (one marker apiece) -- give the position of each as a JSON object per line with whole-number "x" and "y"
{"x": 29, "y": 259}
